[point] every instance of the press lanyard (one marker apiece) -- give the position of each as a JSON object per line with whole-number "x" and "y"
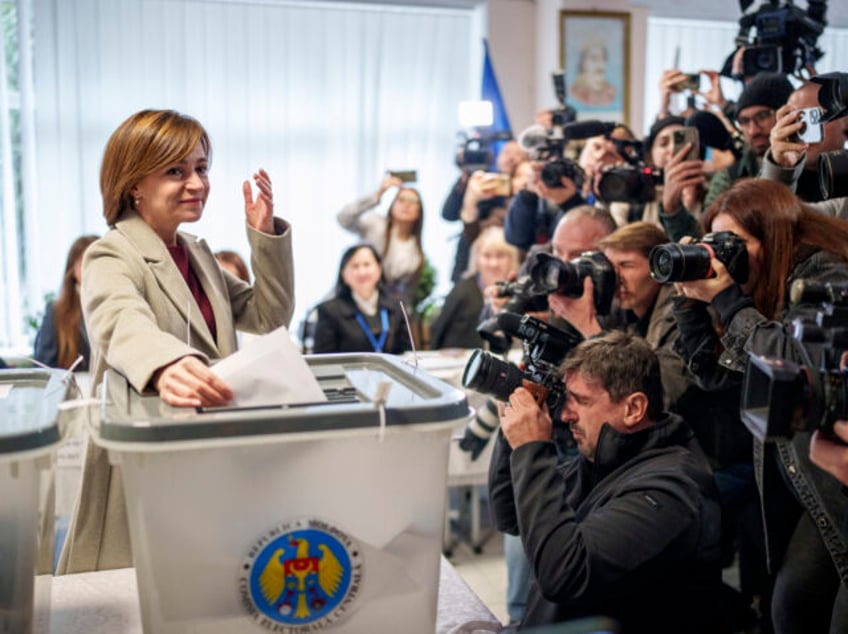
{"x": 384, "y": 324}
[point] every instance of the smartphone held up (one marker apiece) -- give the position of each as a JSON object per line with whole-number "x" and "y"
{"x": 405, "y": 176}
{"x": 681, "y": 137}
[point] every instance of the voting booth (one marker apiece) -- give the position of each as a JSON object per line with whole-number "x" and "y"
{"x": 29, "y": 436}
{"x": 324, "y": 516}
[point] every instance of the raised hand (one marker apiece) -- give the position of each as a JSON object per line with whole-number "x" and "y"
{"x": 578, "y": 311}
{"x": 680, "y": 176}
{"x": 785, "y": 150}
{"x": 706, "y": 290}
{"x": 259, "y": 212}
{"x": 388, "y": 182}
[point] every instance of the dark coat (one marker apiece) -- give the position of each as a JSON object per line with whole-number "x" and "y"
{"x": 456, "y": 325}
{"x": 783, "y": 462}
{"x": 337, "y": 329}
{"x": 47, "y": 344}
{"x": 530, "y": 220}
{"x": 633, "y": 535}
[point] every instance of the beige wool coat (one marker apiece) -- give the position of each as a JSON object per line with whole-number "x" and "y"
{"x": 139, "y": 313}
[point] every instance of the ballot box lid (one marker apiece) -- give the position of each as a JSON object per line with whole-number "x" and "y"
{"x": 350, "y": 382}
{"x": 29, "y": 406}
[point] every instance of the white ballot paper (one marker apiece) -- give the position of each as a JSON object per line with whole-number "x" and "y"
{"x": 269, "y": 370}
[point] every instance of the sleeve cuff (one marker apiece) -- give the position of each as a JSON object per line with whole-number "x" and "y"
{"x": 729, "y": 302}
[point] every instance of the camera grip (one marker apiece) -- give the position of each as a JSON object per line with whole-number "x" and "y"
{"x": 539, "y": 392}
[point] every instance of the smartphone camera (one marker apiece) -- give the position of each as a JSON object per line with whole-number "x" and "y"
{"x": 683, "y": 136}
{"x": 692, "y": 82}
{"x": 501, "y": 183}
{"x": 405, "y": 176}
{"x": 812, "y": 131}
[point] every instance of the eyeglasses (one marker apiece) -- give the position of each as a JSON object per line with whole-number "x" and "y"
{"x": 407, "y": 199}
{"x": 758, "y": 118}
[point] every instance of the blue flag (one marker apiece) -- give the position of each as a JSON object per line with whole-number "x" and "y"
{"x": 490, "y": 91}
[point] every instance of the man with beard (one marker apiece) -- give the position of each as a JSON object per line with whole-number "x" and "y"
{"x": 755, "y": 117}
{"x": 628, "y": 529}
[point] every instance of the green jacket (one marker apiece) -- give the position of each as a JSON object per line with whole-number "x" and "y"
{"x": 745, "y": 167}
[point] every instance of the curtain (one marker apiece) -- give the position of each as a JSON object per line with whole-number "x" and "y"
{"x": 16, "y": 141}
{"x": 325, "y": 96}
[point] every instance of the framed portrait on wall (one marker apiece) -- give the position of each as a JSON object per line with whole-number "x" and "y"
{"x": 594, "y": 53}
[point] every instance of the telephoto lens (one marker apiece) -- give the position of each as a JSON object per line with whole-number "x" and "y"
{"x": 487, "y": 374}
{"x": 628, "y": 184}
{"x": 686, "y": 262}
{"x": 679, "y": 262}
{"x": 833, "y": 174}
{"x": 552, "y": 275}
{"x": 556, "y": 169}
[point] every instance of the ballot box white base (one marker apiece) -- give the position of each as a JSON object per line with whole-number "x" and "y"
{"x": 195, "y": 513}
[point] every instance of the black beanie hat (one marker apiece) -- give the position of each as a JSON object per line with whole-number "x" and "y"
{"x": 658, "y": 126}
{"x": 770, "y": 90}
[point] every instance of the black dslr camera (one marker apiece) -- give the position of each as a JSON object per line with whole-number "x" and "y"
{"x": 547, "y": 145}
{"x": 833, "y": 166}
{"x": 475, "y": 152}
{"x": 551, "y": 275}
{"x": 635, "y": 183}
{"x": 558, "y": 167}
{"x": 523, "y": 298}
{"x": 547, "y": 274}
{"x": 675, "y": 262}
{"x": 544, "y": 349}
{"x": 782, "y": 397}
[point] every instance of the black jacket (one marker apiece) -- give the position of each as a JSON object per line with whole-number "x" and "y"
{"x": 337, "y": 329}
{"x": 531, "y": 220}
{"x": 787, "y": 480}
{"x": 633, "y": 535}
{"x": 456, "y": 325}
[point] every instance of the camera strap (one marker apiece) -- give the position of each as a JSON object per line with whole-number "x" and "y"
{"x": 377, "y": 344}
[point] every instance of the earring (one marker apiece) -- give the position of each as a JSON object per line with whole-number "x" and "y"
{"x": 136, "y": 201}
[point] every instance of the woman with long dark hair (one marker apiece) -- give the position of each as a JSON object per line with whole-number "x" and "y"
{"x": 361, "y": 317}
{"x": 62, "y": 337}
{"x": 803, "y": 509}
{"x": 396, "y": 235}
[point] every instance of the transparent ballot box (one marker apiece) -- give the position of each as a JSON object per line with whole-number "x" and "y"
{"x": 29, "y": 436}
{"x": 293, "y": 518}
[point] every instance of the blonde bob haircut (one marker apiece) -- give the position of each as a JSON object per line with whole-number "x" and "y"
{"x": 492, "y": 238}
{"x": 143, "y": 144}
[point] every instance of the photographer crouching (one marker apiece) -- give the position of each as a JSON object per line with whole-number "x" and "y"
{"x": 630, "y": 528}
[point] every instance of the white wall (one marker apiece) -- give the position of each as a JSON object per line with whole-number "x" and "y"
{"x": 524, "y": 39}
{"x": 512, "y": 46}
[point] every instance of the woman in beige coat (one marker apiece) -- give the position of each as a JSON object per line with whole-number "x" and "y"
{"x": 157, "y": 306}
